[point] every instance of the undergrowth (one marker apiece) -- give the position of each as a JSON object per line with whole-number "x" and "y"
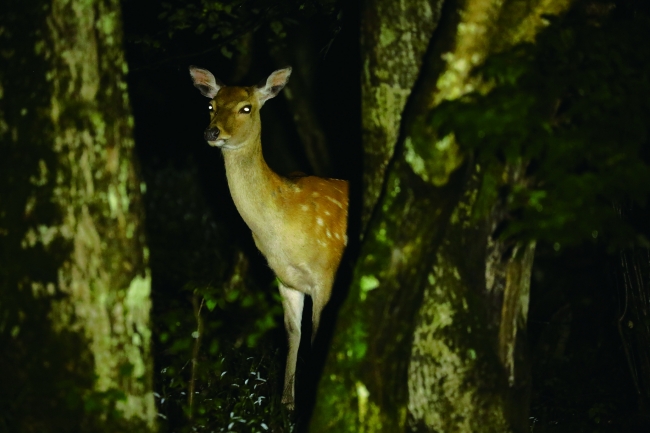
{"x": 234, "y": 392}
{"x": 218, "y": 364}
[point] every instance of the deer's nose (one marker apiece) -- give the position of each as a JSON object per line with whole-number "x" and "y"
{"x": 211, "y": 134}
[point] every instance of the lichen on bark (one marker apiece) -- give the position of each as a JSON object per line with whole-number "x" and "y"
{"x": 487, "y": 391}
{"x": 457, "y": 381}
{"x": 394, "y": 38}
{"x": 480, "y": 28}
{"x": 419, "y": 289}
{"x": 448, "y": 360}
{"x": 74, "y": 263}
{"x": 372, "y": 344}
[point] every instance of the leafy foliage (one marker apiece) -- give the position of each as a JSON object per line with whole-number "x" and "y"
{"x": 236, "y": 390}
{"x": 211, "y": 318}
{"x": 207, "y": 25}
{"x": 224, "y": 363}
{"x": 575, "y": 108}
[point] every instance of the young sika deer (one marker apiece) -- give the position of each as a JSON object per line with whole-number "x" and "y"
{"x": 299, "y": 224}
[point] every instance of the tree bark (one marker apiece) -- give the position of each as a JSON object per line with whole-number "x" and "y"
{"x": 430, "y": 337}
{"x": 73, "y": 262}
{"x": 394, "y": 39}
{"x": 468, "y": 371}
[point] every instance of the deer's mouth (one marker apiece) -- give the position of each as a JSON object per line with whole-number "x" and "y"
{"x": 220, "y": 142}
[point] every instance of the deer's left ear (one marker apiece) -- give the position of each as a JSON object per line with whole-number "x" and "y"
{"x": 276, "y": 82}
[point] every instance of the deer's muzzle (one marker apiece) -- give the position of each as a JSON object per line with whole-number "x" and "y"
{"x": 211, "y": 134}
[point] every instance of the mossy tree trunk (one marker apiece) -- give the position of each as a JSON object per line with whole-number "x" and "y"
{"x": 394, "y": 39}
{"x": 430, "y": 337}
{"x": 74, "y": 310}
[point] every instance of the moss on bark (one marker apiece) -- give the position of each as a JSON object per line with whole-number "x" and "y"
{"x": 364, "y": 385}
{"x": 394, "y": 38}
{"x": 429, "y": 338}
{"x": 468, "y": 371}
{"x": 73, "y": 271}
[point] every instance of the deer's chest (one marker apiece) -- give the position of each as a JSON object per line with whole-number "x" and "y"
{"x": 293, "y": 260}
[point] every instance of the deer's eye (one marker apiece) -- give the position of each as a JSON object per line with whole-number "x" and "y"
{"x": 211, "y": 108}
{"x": 246, "y": 109}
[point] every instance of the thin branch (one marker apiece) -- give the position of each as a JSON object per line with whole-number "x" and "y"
{"x": 626, "y": 348}
{"x": 195, "y": 351}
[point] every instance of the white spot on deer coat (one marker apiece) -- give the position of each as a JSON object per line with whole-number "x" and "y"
{"x": 335, "y": 201}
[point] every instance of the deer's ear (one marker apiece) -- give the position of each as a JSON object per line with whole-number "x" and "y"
{"x": 205, "y": 82}
{"x": 276, "y": 82}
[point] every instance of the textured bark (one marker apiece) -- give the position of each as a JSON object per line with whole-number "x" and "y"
{"x": 394, "y": 38}
{"x": 73, "y": 268}
{"x": 468, "y": 371}
{"x": 430, "y": 337}
{"x": 364, "y": 386}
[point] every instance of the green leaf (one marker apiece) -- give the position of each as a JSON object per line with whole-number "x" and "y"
{"x": 226, "y": 52}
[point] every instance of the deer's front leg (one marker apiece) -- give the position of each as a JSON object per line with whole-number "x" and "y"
{"x": 292, "y": 304}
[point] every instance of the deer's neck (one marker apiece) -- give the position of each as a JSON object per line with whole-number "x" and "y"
{"x": 255, "y": 188}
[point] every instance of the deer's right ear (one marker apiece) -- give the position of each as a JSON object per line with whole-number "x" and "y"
{"x": 205, "y": 82}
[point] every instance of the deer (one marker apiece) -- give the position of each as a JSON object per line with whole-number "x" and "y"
{"x": 299, "y": 222}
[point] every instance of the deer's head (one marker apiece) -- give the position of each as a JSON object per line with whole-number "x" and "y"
{"x": 235, "y": 111}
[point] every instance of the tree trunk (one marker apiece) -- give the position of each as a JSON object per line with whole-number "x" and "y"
{"x": 468, "y": 371}
{"x": 74, "y": 312}
{"x": 430, "y": 337}
{"x": 394, "y": 39}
